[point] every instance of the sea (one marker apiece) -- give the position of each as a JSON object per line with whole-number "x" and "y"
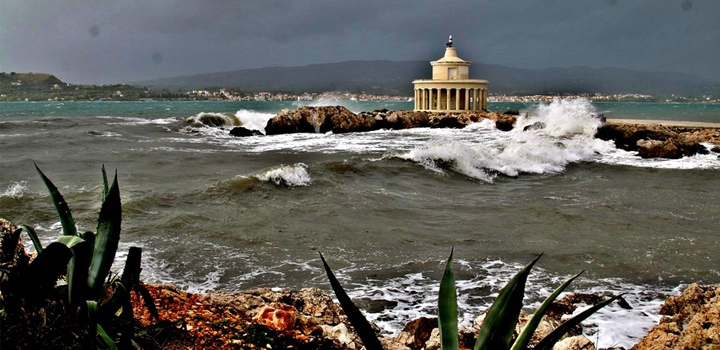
{"x": 217, "y": 212}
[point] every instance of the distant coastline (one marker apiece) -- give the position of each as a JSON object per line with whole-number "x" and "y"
{"x": 46, "y": 87}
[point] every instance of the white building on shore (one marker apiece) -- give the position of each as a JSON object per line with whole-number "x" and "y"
{"x": 450, "y": 89}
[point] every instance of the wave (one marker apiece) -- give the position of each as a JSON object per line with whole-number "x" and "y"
{"x": 287, "y": 175}
{"x": 17, "y": 190}
{"x": 212, "y": 120}
{"x": 545, "y": 140}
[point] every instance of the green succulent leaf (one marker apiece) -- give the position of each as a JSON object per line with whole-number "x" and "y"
{"x": 45, "y": 269}
{"x": 502, "y": 316}
{"x": 549, "y": 341}
{"x": 356, "y": 318}
{"x": 106, "y": 240}
{"x": 105, "y": 338}
{"x": 447, "y": 309}
{"x": 524, "y": 338}
{"x": 34, "y": 238}
{"x": 63, "y": 211}
{"x": 105, "y": 183}
{"x": 148, "y": 300}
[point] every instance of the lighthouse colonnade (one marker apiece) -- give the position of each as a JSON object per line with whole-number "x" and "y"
{"x": 450, "y": 99}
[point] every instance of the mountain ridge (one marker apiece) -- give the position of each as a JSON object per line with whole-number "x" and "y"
{"x": 395, "y": 78}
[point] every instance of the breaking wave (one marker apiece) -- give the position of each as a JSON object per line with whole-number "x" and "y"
{"x": 213, "y": 120}
{"x": 545, "y": 140}
{"x": 287, "y": 175}
{"x": 17, "y": 190}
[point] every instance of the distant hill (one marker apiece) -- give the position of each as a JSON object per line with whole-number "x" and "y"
{"x": 395, "y": 78}
{"x": 28, "y": 79}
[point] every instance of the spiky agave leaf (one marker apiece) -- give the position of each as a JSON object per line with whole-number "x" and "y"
{"x": 34, "y": 238}
{"x": 63, "y": 211}
{"x": 549, "y": 341}
{"x": 105, "y": 183}
{"x": 356, "y": 318}
{"x": 106, "y": 240}
{"x": 77, "y": 268}
{"x": 502, "y": 316}
{"x": 447, "y": 308}
{"x": 45, "y": 269}
{"x": 524, "y": 337}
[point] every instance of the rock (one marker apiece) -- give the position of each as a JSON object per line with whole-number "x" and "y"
{"x": 534, "y": 126}
{"x": 341, "y": 334}
{"x": 239, "y": 131}
{"x": 715, "y": 149}
{"x": 577, "y": 342}
{"x": 344, "y": 121}
{"x": 433, "y": 342}
{"x": 657, "y": 141}
{"x": 408, "y": 119}
{"x": 505, "y": 122}
{"x": 671, "y": 149}
{"x": 445, "y": 121}
{"x": 277, "y": 316}
{"x": 692, "y": 322}
{"x": 417, "y": 332}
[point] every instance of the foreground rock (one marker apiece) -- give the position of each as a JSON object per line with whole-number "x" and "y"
{"x": 692, "y": 321}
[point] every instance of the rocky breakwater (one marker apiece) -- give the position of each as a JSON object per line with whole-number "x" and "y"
{"x": 651, "y": 140}
{"x": 338, "y": 120}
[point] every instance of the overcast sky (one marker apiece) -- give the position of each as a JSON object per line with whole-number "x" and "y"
{"x": 112, "y": 41}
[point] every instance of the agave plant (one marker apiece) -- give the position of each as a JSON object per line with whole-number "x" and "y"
{"x": 87, "y": 259}
{"x": 500, "y": 321}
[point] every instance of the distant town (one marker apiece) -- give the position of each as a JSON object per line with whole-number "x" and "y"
{"x": 46, "y": 87}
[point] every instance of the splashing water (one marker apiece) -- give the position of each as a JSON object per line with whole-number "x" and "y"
{"x": 545, "y": 140}
{"x": 253, "y": 120}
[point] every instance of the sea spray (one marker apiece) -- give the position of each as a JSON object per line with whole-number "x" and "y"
{"x": 17, "y": 190}
{"x": 545, "y": 140}
{"x": 253, "y": 120}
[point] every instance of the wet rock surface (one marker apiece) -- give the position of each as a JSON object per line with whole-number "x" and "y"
{"x": 692, "y": 321}
{"x": 659, "y": 141}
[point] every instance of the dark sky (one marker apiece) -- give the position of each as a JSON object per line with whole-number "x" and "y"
{"x": 111, "y": 41}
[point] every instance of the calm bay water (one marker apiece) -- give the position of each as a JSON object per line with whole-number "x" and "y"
{"x": 216, "y": 212}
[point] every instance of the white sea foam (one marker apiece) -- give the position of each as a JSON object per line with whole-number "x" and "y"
{"x": 287, "y": 175}
{"x": 17, "y": 190}
{"x": 128, "y": 121}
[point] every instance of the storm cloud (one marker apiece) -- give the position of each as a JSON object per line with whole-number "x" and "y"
{"x": 95, "y": 41}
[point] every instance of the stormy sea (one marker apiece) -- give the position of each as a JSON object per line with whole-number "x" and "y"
{"x": 212, "y": 211}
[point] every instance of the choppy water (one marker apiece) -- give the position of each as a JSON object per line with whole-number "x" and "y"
{"x": 216, "y": 212}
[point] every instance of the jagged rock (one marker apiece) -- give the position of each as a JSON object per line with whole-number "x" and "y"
{"x": 577, "y": 342}
{"x": 239, "y": 131}
{"x": 534, "y": 126}
{"x": 408, "y": 119}
{"x": 692, "y": 322}
{"x": 715, "y": 149}
{"x": 653, "y": 141}
{"x": 277, "y": 316}
{"x": 341, "y": 334}
{"x": 505, "y": 122}
{"x": 417, "y": 332}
